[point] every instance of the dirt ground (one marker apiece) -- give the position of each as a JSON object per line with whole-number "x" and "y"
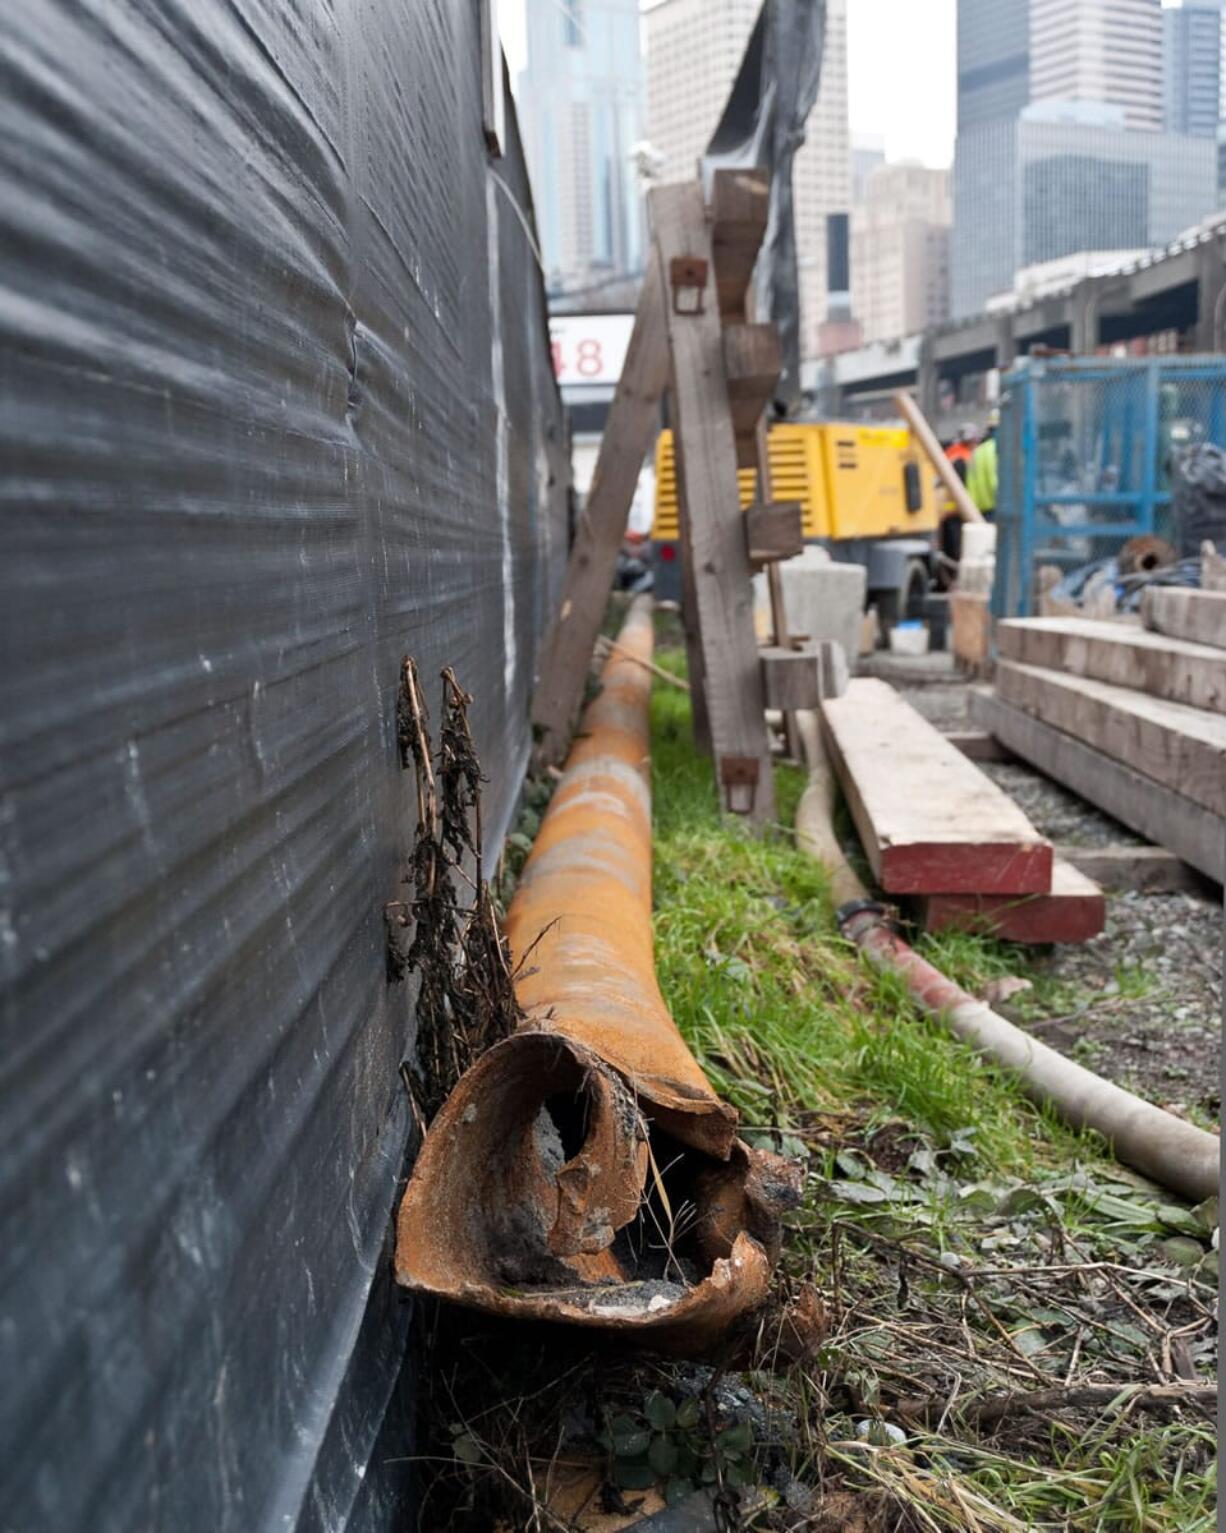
{"x": 1145, "y": 998}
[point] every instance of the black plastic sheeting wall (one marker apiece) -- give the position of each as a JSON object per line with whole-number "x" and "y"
{"x": 275, "y": 408}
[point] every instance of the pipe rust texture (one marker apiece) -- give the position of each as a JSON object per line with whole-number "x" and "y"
{"x": 584, "y": 1170}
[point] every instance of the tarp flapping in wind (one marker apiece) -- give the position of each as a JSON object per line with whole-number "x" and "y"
{"x": 763, "y": 126}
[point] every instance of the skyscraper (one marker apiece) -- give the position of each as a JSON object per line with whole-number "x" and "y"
{"x": 1107, "y": 51}
{"x": 1192, "y": 68}
{"x": 1060, "y": 146}
{"x": 694, "y": 48}
{"x": 580, "y": 106}
{"x": 900, "y": 252}
{"x": 993, "y": 60}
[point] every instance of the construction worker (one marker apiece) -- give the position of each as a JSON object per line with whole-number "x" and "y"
{"x": 981, "y": 478}
{"x": 959, "y": 453}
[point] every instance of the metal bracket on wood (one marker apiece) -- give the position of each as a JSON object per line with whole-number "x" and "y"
{"x": 687, "y": 276}
{"x": 739, "y": 775}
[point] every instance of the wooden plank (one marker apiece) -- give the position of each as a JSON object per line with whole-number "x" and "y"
{"x": 1157, "y": 813}
{"x": 628, "y": 435}
{"x": 933, "y": 451}
{"x": 753, "y": 359}
{"x": 740, "y": 208}
{"x": 1074, "y": 911}
{"x": 976, "y": 745}
{"x": 1182, "y": 748}
{"x": 774, "y": 531}
{"x": 970, "y": 629}
{"x": 930, "y": 820}
{"x": 716, "y": 552}
{"x": 792, "y": 678}
{"x": 1123, "y": 654}
{"x": 1140, "y": 869}
{"x": 1199, "y": 616}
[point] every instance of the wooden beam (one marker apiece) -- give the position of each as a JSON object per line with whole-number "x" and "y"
{"x": 1199, "y": 616}
{"x": 740, "y": 208}
{"x": 753, "y": 359}
{"x": 715, "y": 551}
{"x": 946, "y": 473}
{"x": 971, "y": 629}
{"x": 1119, "y": 653}
{"x": 1073, "y": 911}
{"x": 792, "y": 678}
{"x": 1140, "y": 869}
{"x": 931, "y": 822}
{"x": 1160, "y": 814}
{"x": 1183, "y": 748}
{"x": 629, "y": 432}
{"x": 775, "y": 531}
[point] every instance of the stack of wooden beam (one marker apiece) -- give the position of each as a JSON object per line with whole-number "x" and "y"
{"x": 1131, "y": 717}
{"x": 936, "y": 829}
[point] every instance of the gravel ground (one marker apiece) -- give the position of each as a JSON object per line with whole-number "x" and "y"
{"x": 1144, "y": 1000}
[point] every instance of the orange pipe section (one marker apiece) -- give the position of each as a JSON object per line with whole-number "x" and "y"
{"x": 580, "y": 923}
{"x": 506, "y": 1210}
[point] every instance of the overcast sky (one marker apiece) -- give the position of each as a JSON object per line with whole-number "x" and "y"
{"x": 901, "y": 71}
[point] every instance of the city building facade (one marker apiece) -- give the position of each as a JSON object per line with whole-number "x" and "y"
{"x": 900, "y": 251}
{"x": 1106, "y": 51}
{"x": 1192, "y": 68}
{"x": 581, "y": 112}
{"x": 1065, "y": 143}
{"x": 1043, "y": 186}
{"x": 693, "y": 49}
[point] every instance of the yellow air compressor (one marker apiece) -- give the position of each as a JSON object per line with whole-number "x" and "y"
{"x": 867, "y": 495}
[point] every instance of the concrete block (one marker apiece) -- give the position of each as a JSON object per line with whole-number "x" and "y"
{"x": 824, "y": 599}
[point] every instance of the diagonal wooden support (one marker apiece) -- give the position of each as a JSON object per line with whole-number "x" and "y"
{"x": 628, "y": 435}
{"x": 715, "y": 547}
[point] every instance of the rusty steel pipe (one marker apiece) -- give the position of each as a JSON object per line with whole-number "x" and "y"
{"x": 1165, "y": 1148}
{"x": 541, "y": 1182}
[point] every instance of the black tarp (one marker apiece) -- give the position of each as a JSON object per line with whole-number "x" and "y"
{"x": 763, "y": 125}
{"x": 276, "y": 407}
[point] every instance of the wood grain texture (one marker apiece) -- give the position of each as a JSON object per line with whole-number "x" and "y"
{"x": 792, "y": 678}
{"x": 1123, "y": 654}
{"x": 740, "y": 208}
{"x": 753, "y": 358}
{"x": 930, "y": 820}
{"x": 1142, "y": 869}
{"x": 1073, "y": 911}
{"x": 716, "y": 552}
{"x": 1160, "y": 814}
{"x": 1199, "y": 616}
{"x": 1180, "y": 747}
{"x": 775, "y": 531}
{"x": 629, "y": 432}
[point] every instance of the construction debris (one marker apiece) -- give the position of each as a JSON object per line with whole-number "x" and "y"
{"x": 583, "y": 1170}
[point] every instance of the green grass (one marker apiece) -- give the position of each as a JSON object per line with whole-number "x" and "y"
{"x": 776, "y": 1004}
{"x": 919, "y": 1153}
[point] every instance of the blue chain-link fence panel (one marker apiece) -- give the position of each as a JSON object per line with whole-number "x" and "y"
{"x": 1087, "y": 452}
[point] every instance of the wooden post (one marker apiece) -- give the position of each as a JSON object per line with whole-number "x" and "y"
{"x": 715, "y": 545}
{"x": 924, "y": 435}
{"x": 628, "y": 435}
